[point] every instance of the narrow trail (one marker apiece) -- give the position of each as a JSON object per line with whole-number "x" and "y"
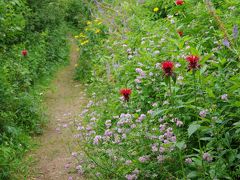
{"x": 64, "y": 102}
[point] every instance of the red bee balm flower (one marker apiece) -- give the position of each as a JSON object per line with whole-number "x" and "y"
{"x": 24, "y": 52}
{"x": 180, "y": 33}
{"x": 126, "y": 93}
{"x": 167, "y": 67}
{"x": 193, "y": 62}
{"x": 179, "y": 2}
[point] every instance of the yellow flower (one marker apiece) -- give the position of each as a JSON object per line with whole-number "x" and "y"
{"x": 76, "y": 37}
{"x": 156, "y": 9}
{"x": 84, "y": 42}
{"x": 81, "y": 35}
{"x": 89, "y": 22}
{"x": 97, "y": 31}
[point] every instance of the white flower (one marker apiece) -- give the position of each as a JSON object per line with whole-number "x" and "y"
{"x": 151, "y": 74}
{"x": 165, "y": 102}
{"x": 158, "y": 66}
{"x": 188, "y": 160}
{"x": 224, "y": 97}
{"x": 177, "y": 65}
{"x": 156, "y": 52}
{"x": 155, "y": 104}
{"x": 137, "y": 80}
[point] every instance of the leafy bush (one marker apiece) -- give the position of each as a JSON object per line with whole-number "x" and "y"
{"x": 78, "y": 12}
{"x": 33, "y": 45}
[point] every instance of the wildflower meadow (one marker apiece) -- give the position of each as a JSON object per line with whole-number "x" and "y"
{"x": 164, "y": 86}
{"x": 160, "y": 88}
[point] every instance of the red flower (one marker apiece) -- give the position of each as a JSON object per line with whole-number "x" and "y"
{"x": 193, "y": 62}
{"x": 167, "y": 67}
{"x": 126, "y": 93}
{"x": 179, "y": 2}
{"x": 24, "y": 52}
{"x": 180, "y": 33}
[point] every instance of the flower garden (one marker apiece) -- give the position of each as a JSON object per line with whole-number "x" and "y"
{"x": 162, "y": 78}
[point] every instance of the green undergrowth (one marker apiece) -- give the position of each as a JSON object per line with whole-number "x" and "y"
{"x": 33, "y": 46}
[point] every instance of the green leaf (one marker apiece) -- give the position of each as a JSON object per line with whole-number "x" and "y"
{"x": 207, "y": 57}
{"x": 193, "y": 128}
{"x": 237, "y": 124}
{"x": 180, "y": 145}
{"x": 205, "y": 138}
{"x": 192, "y": 174}
{"x": 210, "y": 93}
{"x": 238, "y": 156}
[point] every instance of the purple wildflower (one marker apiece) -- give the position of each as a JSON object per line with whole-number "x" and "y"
{"x": 188, "y": 160}
{"x": 203, "y": 113}
{"x": 108, "y": 133}
{"x": 138, "y": 81}
{"x": 151, "y": 112}
{"x": 235, "y": 31}
{"x": 162, "y": 127}
{"x": 224, "y": 97}
{"x": 154, "y": 148}
{"x": 74, "y": 154}
{"x": 80, "y": 169}
{"x": 179, "y": 123}
{"x": 226, "y": 43}
{"x": 143, "y": 159}
{"x": 207, "y": 157}
{"x": 133, "y": 126}
{"x": 165, "y": 141}
{"x": 161, "y": 149}
{"x": 97, "y": 139}
{"x": 136, "y": 171}
{"x": 128, "y": 162}
{"x": 131, "y": 176}
{"x": 141, "y": 118}
{"x": 160, "y": 158}
{"x": 173, "y": 138}
{"x": 65, "y": 125}
{"x": 141, "y": 73}
{"x": 66, "y": 166}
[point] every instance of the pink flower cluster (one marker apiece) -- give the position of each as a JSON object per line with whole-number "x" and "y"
{"x": 141, "y": 118}
{"x": 133, "y": 175}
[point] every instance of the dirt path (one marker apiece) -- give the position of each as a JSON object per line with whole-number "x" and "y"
{"x": 64, "y": 103}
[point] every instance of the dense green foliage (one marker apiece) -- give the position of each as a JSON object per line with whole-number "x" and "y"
{"x": 28, "y": 25}
{"x": 178, "y": 124}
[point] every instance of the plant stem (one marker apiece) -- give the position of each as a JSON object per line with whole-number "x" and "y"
{"x": 200, "y": 147}
{"x": 170, "y": 89}
{"x": 195, "y": 86}
{"x": 181, "y": 160}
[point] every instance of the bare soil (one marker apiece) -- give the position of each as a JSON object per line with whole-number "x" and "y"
{"x": 64, "y": 102}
